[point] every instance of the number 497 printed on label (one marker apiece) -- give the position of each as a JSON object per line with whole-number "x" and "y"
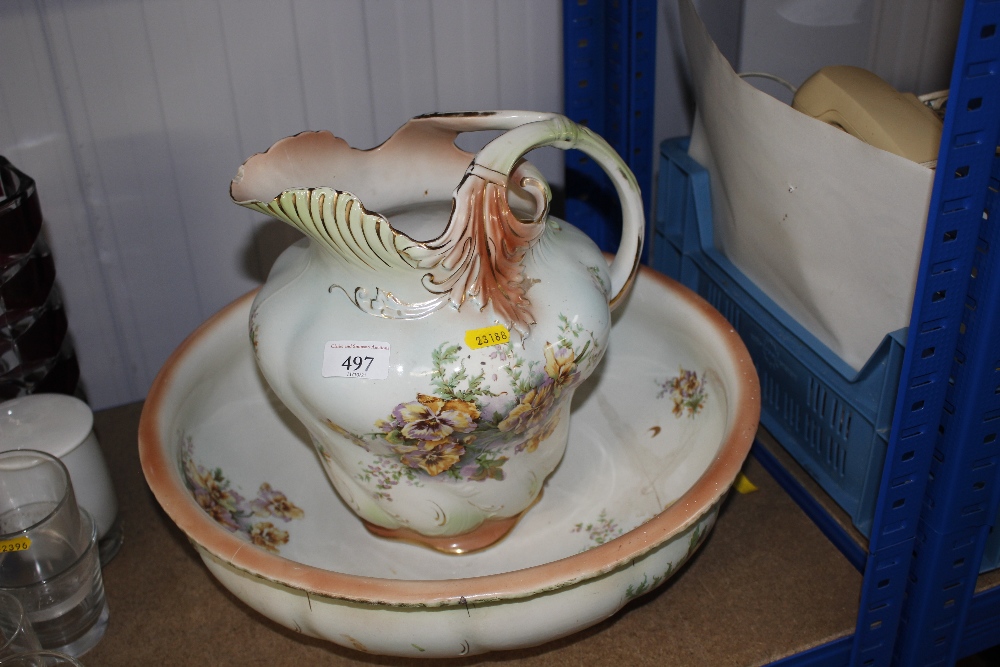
{"x": 356, "y": 359}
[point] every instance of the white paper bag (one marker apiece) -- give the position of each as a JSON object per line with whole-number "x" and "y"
{"x": 826, "y": 225}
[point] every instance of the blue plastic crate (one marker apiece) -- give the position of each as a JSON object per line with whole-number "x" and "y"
{"x": 833, "y": 420}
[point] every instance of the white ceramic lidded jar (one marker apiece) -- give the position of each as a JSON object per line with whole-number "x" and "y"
{"x": 431, "y": 329}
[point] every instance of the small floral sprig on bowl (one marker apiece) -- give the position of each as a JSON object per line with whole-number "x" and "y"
{"x": 215, "y": 494}
{"x": 600, "y": 531}
{"x": 687, "y": 391}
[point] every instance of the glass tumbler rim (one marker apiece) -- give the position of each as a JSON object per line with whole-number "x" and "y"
{"x": 42, "y": 653}
{"x": 67, "y": 489}
{"x": 11, "y": 601}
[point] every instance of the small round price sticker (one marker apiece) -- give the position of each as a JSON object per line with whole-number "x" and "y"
{"x": 356, "y": 359}
{"x": 487, "y": 336}
{"x": 22, "y": 543}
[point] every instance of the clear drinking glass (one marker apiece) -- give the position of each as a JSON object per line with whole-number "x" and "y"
{"x": 64, "y": 427}
{"x": 48, "y": 552}
{"x": 16, "y": 633}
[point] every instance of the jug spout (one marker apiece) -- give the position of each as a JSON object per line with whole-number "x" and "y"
{"x": 477, "y": 243}
{"x": 346, "y": 200}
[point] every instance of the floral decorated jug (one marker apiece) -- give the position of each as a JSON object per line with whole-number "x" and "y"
{"x": 431, "y": 328}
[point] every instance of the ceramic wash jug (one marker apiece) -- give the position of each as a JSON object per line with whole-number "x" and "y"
{"x": 431, "y": 328}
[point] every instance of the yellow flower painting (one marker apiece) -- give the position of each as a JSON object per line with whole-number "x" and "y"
{"x": 215, "y": 494}
{"x": 461, "y": 429}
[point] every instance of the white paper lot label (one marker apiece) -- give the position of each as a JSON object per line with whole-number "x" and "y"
{"x": 356, "y": 359}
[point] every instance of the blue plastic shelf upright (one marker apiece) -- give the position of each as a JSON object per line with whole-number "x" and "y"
{"x": 940, "y": 485}
{"x": 609, "y": 50}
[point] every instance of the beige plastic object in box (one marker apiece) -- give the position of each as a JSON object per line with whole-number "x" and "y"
{"x": 827, "y": 226}
{"x": 867, "y": 107}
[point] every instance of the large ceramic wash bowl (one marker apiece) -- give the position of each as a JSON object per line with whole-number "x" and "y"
{"x": 658, "y": 435}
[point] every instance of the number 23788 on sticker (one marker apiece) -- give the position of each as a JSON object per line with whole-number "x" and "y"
{"x": 356, "y": 359}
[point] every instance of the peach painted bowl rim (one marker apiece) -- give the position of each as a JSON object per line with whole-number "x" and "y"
{"x": 712, "y": 485}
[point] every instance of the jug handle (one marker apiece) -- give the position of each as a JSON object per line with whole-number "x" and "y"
{"x": 527, "y": 130}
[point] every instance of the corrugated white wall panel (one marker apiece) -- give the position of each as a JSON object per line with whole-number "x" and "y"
{"x": 530, "y": 69}
{"x": 115, "y": 120}
{"x": 909, "y": 43}
{"x": 34, "y": 136}
{"x": 264, "y": 69}
{"x": 189, "y": 61}
{"x": 400, "y": 45}
{"x": 914, "y": 43}
{"x": 336, "y": 73}
{"x": 133, "y": 116}
{"x": 469, "y": 28}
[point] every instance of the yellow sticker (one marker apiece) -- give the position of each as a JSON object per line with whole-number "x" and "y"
{"x": 494, "y": 335}
{"x": 22, "y": 543}
{"x": 744, "y": 485}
